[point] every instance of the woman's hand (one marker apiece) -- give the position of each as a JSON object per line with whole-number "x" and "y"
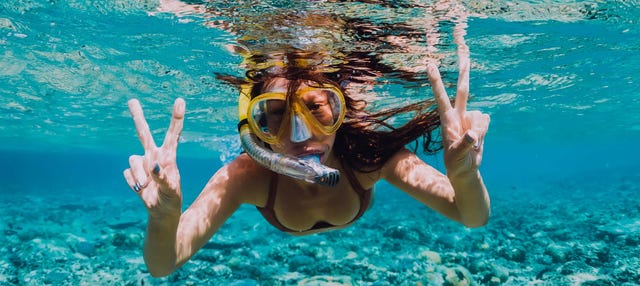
{"x": 154, "y": 176}
{"x": 463, "y": 131}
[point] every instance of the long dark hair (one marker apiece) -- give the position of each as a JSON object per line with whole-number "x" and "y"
{"x": 366, "y": 139}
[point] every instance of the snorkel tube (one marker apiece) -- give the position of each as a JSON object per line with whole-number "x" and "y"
{"x": 306, "y": 168}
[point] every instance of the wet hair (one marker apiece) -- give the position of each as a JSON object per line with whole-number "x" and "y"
{"x": 367, "y": 139}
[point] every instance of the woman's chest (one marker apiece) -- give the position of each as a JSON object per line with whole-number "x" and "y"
{"x": 302, "y": 208}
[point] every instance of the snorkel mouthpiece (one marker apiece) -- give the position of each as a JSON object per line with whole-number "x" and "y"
{"x": 306, "y": 168}
{"x": 323, "y": 174}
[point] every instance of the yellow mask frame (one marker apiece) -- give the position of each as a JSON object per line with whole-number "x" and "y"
{"x": 304, "y": 106}
{"x": 308, "y": 168}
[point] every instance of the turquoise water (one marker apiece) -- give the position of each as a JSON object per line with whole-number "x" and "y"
{"x": 559, "y": 79}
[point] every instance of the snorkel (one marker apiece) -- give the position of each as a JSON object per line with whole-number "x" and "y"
{"x": 306, "y": 168}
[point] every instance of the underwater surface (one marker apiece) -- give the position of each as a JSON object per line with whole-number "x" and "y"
{"x": 561, "y": 159}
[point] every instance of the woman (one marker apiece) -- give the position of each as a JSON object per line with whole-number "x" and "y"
{"x": 301, "y": 116}
{"x": 313, "y": 152}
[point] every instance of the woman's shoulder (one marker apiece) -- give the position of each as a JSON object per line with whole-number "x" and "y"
{"x": 247, "y": 179}
{"x": 397, "y": 162}
{"x": 366, "y": 179}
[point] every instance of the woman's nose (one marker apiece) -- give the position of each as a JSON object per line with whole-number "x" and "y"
{"x": 299, "y": 130}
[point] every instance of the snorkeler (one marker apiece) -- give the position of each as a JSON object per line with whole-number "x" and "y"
{"x": 313, "y": 154}
{"x": 299, "y": 172}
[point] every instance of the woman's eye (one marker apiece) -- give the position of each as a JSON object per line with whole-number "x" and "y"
{"x": 314, "y": 106}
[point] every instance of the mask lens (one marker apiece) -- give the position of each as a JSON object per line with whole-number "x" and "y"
{"x": 324, "y": 106}
{"x": 266, "y": 117}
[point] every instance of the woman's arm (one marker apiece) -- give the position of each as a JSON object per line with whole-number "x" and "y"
{"x": 464, "y": 199}
{"x": 173, "y": 240}
{"x": 173, "y": 237}
{"x": 460, "y": 194}
{"x": 472, "y": 198}
{"x": 155, "y": 177}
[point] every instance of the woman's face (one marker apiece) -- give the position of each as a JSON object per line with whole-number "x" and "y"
{"x": 314, "y": 142}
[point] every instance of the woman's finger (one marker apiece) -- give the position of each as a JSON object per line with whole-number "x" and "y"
{"x": 141, "y": 125}
{"x": 439, "y": 91}
{"x": 175, "y": 127}
{"x": 478, "y": 124}
{"x": 138, "y": 171}
{"x": 462, "y": 92}
{"x": 483, "y": 127}
{"x": 135, "y": 186}
{"x": 478, "y": 121}
{"x": 163, "y": 179}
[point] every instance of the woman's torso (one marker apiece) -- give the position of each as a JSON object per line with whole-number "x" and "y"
{"x": 298, "y": 207}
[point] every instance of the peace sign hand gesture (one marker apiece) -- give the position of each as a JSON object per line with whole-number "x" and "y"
{"x": 154, "y": 176}
{"x": 463, "y": 131}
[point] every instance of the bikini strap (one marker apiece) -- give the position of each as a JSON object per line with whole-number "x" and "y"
{"x": 364, "y": 195}
{"x": 273, "y": 189}
{"x": 267, "y": 211}
{"x": 353, "y": 180}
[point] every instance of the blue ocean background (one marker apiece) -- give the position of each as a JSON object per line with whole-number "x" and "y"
{"x": 561, "y": 161}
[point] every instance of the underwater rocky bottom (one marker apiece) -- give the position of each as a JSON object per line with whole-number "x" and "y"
{"x": 568, "y": 232}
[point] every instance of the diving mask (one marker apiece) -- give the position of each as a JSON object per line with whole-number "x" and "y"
{"x": 253, "y": 116}
{"x": 271, "y": 115}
